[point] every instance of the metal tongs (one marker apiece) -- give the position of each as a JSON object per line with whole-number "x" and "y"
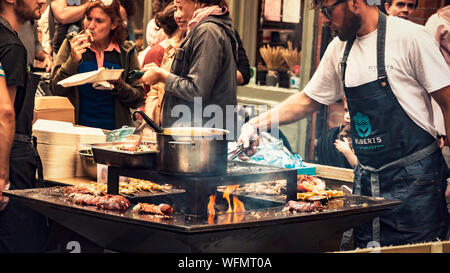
{"x": 239, "y": 150}
{"x": 236, "y": 152}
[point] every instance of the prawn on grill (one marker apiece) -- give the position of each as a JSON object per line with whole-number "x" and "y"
{"x": 307, "y": 183}
{"x": 161, "y": 209}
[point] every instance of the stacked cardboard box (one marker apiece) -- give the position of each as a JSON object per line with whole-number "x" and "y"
{"x": 53, "y": 108}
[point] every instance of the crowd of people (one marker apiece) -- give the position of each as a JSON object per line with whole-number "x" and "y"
{"x": 393, "y": 76}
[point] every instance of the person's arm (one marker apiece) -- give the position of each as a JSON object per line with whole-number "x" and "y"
{"x": 290, "y": 110}
{"x": 344, "y": 148}
{"x": 7, "y": 130}
{"x": 65, "y": 66}
{"x": 243, "y": 66}
{"x": 442, "y": 97}
{"x": 68, "y": 14}
{"x": 205, "y": 65}
{"x": 130, "y": 92}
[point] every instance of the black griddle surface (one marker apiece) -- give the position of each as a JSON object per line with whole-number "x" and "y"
{"x": 53, "y": 197}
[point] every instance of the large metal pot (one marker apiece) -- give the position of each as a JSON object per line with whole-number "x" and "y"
{"x": 190, "y": 150}
{"x": 193, "y": 151}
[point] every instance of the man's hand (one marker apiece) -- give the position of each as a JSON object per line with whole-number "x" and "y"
{"x": 248, "y": 132}
{"x": 47, "y": 63}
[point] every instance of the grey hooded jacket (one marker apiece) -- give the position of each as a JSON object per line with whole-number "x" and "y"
{"x": 204, "y": 70}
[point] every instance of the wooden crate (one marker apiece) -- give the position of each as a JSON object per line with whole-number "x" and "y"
{"x": 431, "y": 247}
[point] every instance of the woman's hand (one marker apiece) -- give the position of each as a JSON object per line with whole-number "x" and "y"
{"x": 78, "y": 46}
{"x": 117, "y": 83}
{"x": 153, "y": 74}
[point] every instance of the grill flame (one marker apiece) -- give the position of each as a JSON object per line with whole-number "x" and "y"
{"x": 238, "y": 206}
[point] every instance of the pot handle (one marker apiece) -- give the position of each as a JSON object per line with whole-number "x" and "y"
{"x": 181, "y": 142}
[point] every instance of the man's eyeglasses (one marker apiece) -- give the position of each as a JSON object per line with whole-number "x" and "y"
{"x": 327, "y": 11}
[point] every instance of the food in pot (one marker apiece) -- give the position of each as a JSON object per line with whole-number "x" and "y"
{"x": 104, "y": 201}
{"x": 303, "y": 206}
{"x": 161, "y": 209}
{"x": 143, "y": 147}
{"x": 308, "y": 183}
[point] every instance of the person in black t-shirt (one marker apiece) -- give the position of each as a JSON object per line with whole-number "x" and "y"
{"x": 21, "y": 229}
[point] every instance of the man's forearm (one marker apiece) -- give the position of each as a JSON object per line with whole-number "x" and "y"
{"x": 290, "y": 110}
{"x": 7, "y": 130}
{"x": 68, "y": 14}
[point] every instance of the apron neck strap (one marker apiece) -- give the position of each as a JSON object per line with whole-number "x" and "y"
{"x": 381, "y": 42}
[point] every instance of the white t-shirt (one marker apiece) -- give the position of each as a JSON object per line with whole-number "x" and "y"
{"x": 414, "y": 66}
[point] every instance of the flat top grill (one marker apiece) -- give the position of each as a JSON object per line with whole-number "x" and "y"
{"x": 351, "y": 204}
{"x": 199, "y": 188}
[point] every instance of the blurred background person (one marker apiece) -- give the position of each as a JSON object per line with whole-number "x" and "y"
{"x": 153, "y": 34}
{"x": 162, "y": 55}
{"x": 439, "y": 26}
{"x": 401, "y": 8}
{"x": 28, "y": 34}
{"x": 65, "y": 16}
{"x": 127, "y": 12}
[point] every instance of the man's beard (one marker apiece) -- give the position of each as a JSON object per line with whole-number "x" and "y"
{"x": 24, "y": 13}
{"x": 350, "y": 26}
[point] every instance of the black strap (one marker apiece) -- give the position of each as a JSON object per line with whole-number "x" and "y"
{"x": 22, "y": 138}
{"x": 348, "y": 47}
{"x": 40, "y": 169}
{"x": 381, "y": 43}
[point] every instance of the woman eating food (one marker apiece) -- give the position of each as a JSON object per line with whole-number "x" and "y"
{"x": 101, "y": 44}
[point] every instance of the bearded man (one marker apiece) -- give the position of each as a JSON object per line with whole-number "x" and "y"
{"x": 388, "y": 69}
{"x": 21, "y": 229}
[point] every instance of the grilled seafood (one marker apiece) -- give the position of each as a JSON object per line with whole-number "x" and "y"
{"x": 161, "y": 209}
{"x": 104, "y": 201}
{"x": 303, "y": 206}
{"x": 131, "y": 187}
{"x": 92, "y": 189}
{"x": 326, "y": 194}
{"x": 307, "y": 183}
